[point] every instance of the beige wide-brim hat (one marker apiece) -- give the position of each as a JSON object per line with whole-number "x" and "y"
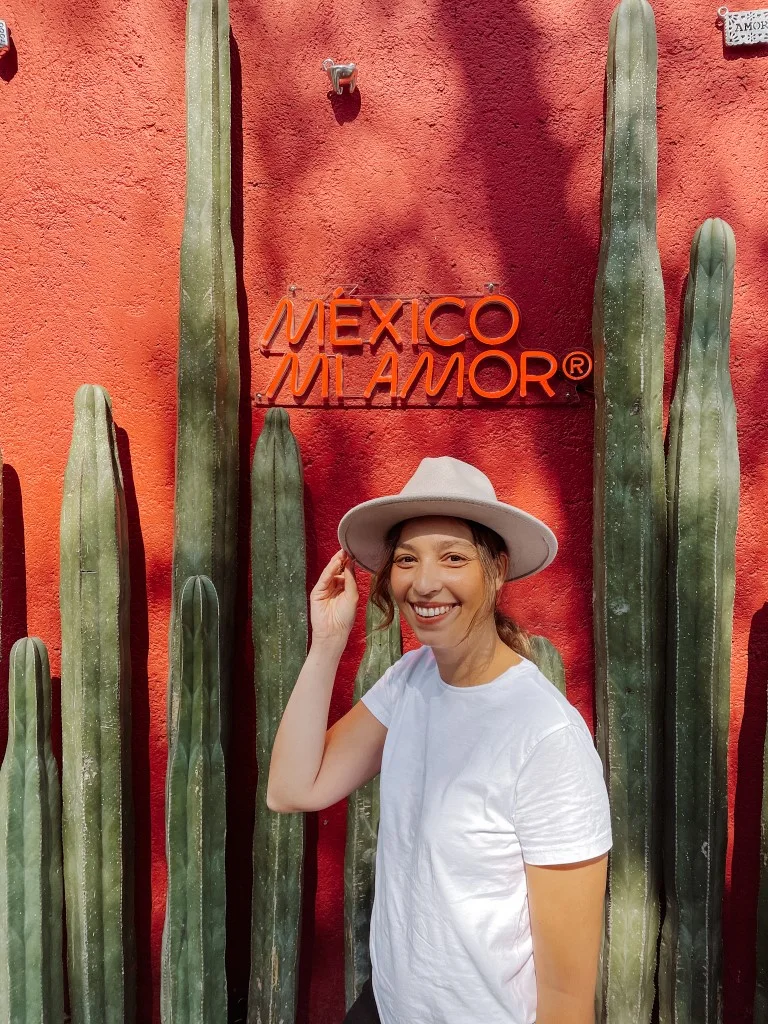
{"x": 448, "y": 487}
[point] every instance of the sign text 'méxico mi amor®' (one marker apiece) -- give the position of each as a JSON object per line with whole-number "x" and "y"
{"x": 394, "y": 349}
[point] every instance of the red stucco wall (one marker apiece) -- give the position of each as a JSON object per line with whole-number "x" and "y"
{"x": 475, "y": 155}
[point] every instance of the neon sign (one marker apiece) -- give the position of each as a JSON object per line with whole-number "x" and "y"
{"x": 451, "y": 350}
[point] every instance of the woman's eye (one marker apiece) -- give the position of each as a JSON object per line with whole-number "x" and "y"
{"x": 460, "y": 557}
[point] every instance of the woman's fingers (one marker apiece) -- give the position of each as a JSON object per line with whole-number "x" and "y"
{"x": 335, "y": 574}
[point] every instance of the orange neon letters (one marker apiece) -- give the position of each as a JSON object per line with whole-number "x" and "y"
{"x": 431, "y": 310}
{"x": 432, "y": 389}
{"x": 291, "y": 361}
{"x": 385, "y": 373}
{"x": 494, "y": 300}
{"x": 493, "y": 353}
{"x": 539, "y": 378}
{"x": 337, "y": 304}
{"x": 385, "y": 322}
{"x": 285, "y": 309}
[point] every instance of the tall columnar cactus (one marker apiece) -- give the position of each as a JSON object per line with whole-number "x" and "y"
{"x": 548, "y": 661}
{"x": 278, "y": 554}
{"x": 205, "y": 510}
{"x": 703, "y": 488}
{"x": 31, "y": 895}
{"x": 95, "y": 716}
{"x": 383, "y": 647}
{"x": 629, "y": 532}
{"x": 194, "y": 984}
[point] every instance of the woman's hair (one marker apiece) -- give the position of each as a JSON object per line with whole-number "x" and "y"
{"x": 489, "y": 547}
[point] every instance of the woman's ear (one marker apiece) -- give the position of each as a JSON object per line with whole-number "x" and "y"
{"x": 503, "y": 566}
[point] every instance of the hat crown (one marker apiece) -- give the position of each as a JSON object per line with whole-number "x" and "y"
{"x": 448, "y": 476}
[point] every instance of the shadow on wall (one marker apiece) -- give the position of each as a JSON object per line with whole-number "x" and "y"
{"x": 140, "y": 764}
{"x": 13, "y": 625}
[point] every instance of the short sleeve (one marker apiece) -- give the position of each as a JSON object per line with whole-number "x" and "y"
{"x": 381, "y": 698}
{"x": 561, "y": 812}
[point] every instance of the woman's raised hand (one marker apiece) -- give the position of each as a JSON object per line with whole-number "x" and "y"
{"x": 333, "y": 600}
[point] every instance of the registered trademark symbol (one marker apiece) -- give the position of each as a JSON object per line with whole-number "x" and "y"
{"x": 577, "y": 365}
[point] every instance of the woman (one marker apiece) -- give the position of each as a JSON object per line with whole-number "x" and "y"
{"x": 495, "y": 827}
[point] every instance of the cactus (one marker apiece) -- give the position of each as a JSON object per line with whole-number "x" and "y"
{"x": 629, "y": 528}
{"x": 95, "y": 715}
{"x": 703, "y": 489}
{"x": 31, "y": 959}
{"x": 547, "y": 659}
{"x": 280, "y": 648}
{"x": 193, "y": 983}
{"x": 205, "y": 507}
{"x": 383, "y": 648}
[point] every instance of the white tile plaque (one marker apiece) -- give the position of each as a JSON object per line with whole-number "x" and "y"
{"x": 4, "y": 40}
{"x": 744, "y": 28}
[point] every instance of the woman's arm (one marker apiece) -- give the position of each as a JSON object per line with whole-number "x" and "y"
{"x": 566, "y": 904}
{"x": 297, "y": 751}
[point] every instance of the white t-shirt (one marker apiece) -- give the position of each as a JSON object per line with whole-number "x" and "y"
{"x": 473, "y": 780}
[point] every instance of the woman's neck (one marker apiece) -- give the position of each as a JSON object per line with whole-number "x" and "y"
{"x": 475, "y": 661}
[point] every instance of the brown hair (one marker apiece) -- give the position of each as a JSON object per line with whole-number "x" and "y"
{"x": 489, "y": 547}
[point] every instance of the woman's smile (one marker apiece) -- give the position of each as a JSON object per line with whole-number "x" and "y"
{"x": 429, "y": 614}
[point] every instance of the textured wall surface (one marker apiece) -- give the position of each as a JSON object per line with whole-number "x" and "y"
{"x": 472, "y": 153}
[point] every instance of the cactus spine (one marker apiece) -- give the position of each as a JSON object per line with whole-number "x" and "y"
{"x": 280, "y": 648}
{"x": 629, "y": 533}
{"x": 194, "y": 984}
{"x": 205, "y": 508}
{"x": 383, "y": 647}
{"x": 31, "y": 895}
{"x": 703, "y": 488}
{"x": 547, "y": 659}
{"x": 95, "y": 715}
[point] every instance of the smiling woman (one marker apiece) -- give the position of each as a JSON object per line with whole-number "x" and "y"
{"x": 494, "y": 818}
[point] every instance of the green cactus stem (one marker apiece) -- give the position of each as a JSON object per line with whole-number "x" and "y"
{"x": 31, "y": 893}
{"x": 95, "y": 715}
{"x": 548, "y": 660}
{"x": 205, "y": 507}
{"x": 279, "y": 610}
{"x": 703, "y": 488}
{"x": 383, "y": 647}
{"x": 193, "y": 982}
{"x": 629, "y": 527}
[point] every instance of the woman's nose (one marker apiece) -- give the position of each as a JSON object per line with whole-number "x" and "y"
{"x": 426, "y": 581}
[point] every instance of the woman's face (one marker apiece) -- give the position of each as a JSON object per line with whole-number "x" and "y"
{"x": 437, "y": 578}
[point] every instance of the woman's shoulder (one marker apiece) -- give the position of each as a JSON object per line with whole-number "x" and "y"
{"x": 546, "y": 706}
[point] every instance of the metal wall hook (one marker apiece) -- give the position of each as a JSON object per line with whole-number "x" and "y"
{"x": 340, "y": 74}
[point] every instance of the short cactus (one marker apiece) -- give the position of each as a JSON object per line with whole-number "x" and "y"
{"x": 383, "y": 647}
{"x": 193, "y": 982}
{"x": 95, "y": 714}
{"x": 31, "y": 894}
{"x": 280, "y": 627}
{"x": 548, "y": 661}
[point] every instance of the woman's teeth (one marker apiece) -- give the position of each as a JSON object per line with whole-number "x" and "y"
{"x": 432, "y": 613}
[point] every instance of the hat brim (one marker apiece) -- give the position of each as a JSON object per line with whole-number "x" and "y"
{"x": 530, "y": 543}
